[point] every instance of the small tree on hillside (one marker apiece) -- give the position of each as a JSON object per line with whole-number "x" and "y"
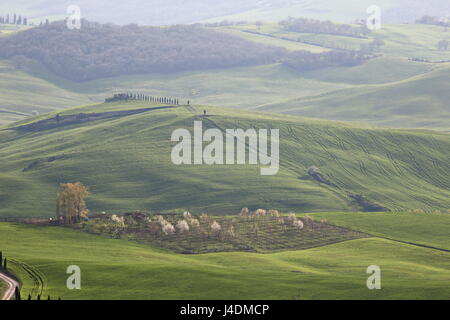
{"x": 71, "y": 205}
{"x": 258, "y": 24}
{"x": 443, "y": 45}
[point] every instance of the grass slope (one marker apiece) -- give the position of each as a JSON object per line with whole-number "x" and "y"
{"x": 117, "y": 269}
{"x": 3, "y": 287}
{"x": 36, "y": 89}
{"x": 24, "y": 93}
{"x": 126, "y": 162}
{"x": 417, "y": 102}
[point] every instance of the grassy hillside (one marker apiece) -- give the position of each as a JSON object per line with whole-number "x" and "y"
{"x": 414, "y": 41}
{"x": 37, "y": 89}
{"x": 118, "y": 269}
{"x": 274, "y": 87}
{"x": 400, "y": 40}
{"x": 126, "y": 162}
{"x": 417, "y": 102}
{"x": 24, "y": 93}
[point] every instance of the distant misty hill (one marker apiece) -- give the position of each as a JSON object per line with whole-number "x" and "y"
{"x": 104, "y": 50}
{"x": 168, "y": 12}
{"x": 409, "y": 11}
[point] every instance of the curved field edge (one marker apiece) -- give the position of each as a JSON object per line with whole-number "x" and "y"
{"x": 118, "y": 269}
{"x": 423, "y": 229}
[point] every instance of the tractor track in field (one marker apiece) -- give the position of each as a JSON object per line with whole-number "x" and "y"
{"x": 60, "y": 121}
{"x": 38, "y": 278}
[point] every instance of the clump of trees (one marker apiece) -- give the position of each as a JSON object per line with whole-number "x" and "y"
{"x": 70, "y": 205}
{"x": 168, "y": 229}
{"x": 183, "y": 226}
{"x": 304, "y": 25}
{"x": 106, "y": 50}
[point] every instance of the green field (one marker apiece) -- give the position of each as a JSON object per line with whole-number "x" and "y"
{"x": 126, "y": 163}
{"x": 416, "y": 227}
{"x": 400, "y": 40}
{"x": 2, "y": 288}
{"x": 118, "y": 269}
{"x": 262, "y": 234}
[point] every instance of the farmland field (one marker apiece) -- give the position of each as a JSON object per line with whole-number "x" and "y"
{"x": 334, "y": 271}
{"x": 261, "y": 234}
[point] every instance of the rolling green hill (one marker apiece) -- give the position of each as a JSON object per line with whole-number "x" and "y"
{"x": 126, "y": 162}
{"x": 23, "y": 93}
{"x": 37, "y": 89}
{"x": 120, "y": 269}
{"x": 421, "y": 101}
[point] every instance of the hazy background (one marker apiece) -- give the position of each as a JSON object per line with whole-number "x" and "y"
{"x": 165, "y": 12}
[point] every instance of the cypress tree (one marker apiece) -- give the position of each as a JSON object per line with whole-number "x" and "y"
{"x": 17, "y": 293}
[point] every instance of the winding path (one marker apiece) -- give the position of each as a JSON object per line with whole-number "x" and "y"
{"x": 12, "y": 284}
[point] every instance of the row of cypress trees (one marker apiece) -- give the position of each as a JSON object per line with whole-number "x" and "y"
{"x": 142, "y": 97}
{"x": 14, "y": 19}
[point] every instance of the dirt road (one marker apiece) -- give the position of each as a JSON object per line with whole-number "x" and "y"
{"x": 11, "y": 283}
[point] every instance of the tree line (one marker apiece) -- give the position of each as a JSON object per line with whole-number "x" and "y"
{"x": 13, "y": 19}
{"x": 434, "y": 21}
{"x": 304, "y": 25}
{"x": 141, "y": 97}
{"x": 307, "y": 61}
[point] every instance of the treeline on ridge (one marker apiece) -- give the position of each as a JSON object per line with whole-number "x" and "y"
{"x": 304, "y": 25}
